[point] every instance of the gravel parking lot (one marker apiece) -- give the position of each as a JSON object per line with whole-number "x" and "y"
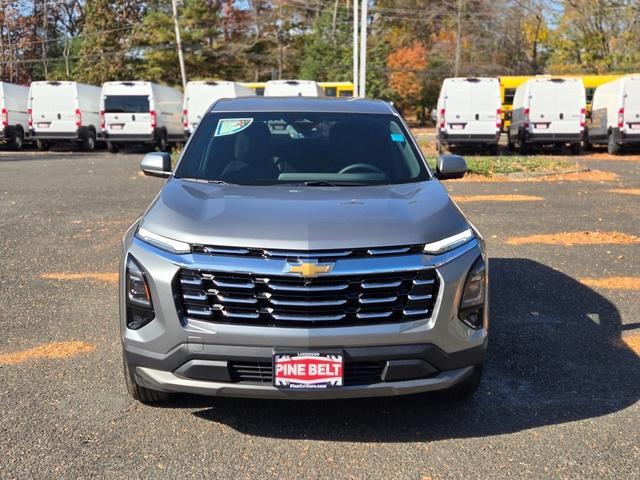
{"x": 559, "y": 398}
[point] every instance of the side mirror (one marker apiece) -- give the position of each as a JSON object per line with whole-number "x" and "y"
{"x": 450, "y": 166}
{"x": 156, "y": 164}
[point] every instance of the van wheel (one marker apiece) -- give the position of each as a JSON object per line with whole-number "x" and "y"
{"x": 112, "y": 147}
{"x": 16, "y": 141}
{"x": 587, "y": 142}
{"x": 142, "y": 394}
{"x": 510, "y": 146}
{"x": 493, "y": 149}
{"x": 88, "y": 143}
{"x": 523, "y": 148}
{"x": 576, "y": 148}
{"x": 163, "y": 144}
{"x": 42, "y": 145}
{"x": 466, "y": 388}
{"x": 612, "y": 146}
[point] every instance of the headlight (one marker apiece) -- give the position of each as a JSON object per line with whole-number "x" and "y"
{"x": 449, "y": 243}
{"x": 473, "y": 296}
{"x": 139, "y": 304}
{"x": 164, "y": 243}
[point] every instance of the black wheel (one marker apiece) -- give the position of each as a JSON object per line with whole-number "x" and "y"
{"x": 510, "y": 146}
{"x": 88, "y": 143}
{"x": 163, "y": 144}
{"x": 587, "y": 142}
{"x": 42, "y": 145}
{"x": 612, "y": 146}
{"x": 523, "y": 148}
{"x": 112, "y": 147}
{"x": 466, "y": 388}
{"x": 576, "y": 148}
{"x": 142, "y": 394}
{"x": 16, "y": 141}
{"x": 493, "y": 149}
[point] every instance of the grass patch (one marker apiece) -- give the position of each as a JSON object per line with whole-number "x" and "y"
{"x": 488, "y": 166}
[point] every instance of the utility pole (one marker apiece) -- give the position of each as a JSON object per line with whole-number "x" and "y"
{"x": 363, "y": 49}
{"x": 356, "y": 90}
{"x": 456, "y": 65}
{"x": 183, "y": 72}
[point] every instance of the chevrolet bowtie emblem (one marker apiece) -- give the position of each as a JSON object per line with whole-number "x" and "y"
{"x": 309, "y": 269}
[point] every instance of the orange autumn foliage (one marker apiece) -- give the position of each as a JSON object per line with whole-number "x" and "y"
{"x": 404, "y": 79}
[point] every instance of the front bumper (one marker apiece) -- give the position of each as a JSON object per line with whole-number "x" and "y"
{"x": 171, "y": 354}
{"x": 469, "y": 139}
{"x": 545, "y": 138}
{"x": 75, "y": 135}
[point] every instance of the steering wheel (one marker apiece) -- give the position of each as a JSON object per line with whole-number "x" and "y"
{"x": 366, "y": 167}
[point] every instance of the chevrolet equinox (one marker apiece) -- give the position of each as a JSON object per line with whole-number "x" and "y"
{"x": 302, "y": 249}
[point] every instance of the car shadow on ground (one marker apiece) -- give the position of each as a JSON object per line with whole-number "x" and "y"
{"x": 555, "y": 355}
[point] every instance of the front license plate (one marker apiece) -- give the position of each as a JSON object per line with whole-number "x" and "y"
{"x": 116, "y": 126}
{"x": 43, "y": 125}
{"x": 541, "y": 126}
{"x": 307, "y": 370}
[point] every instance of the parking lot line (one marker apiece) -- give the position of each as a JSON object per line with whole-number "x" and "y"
{"x": 56, "y": 350}
{"x": 613, "y": 283}
{"x": 626, "y": 191}
{"x": 569, "y": 239}
{"x": 496, "y": 198}
{"x": 108, "y": 277}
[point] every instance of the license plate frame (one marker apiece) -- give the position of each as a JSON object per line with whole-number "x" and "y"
{"x": 541, "y": 126}
{"x": 116, "y": 126}
{"x": 634, "y": 126}
{"x": 457, "y": 126}
{"x": 308, "y": 370}
{"x": 44, "y": 124}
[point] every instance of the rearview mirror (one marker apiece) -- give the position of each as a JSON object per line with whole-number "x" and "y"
{"x": 156, "y": 164}
{"x": 450, "y": 166}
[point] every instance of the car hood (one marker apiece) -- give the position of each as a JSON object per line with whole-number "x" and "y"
{"x": 304, "y": 218}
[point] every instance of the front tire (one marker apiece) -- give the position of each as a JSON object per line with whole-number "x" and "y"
{"x": 576, "y": 148}
{"x": 88, "y": 143}
{"x": 465, "y": 389}
{"x": 163, "y": 144}
{"x": 588, "y": 146}
{"x": 16, "y": 142}
{"x": 142, "y": 394}
{"x": 113, "y": 147}
{"x": 42, "y": 145}
{"x": 612, "y": 146}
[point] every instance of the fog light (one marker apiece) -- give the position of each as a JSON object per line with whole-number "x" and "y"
{"x": 138, "y": 317}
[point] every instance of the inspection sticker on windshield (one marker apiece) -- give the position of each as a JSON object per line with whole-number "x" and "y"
{"x": 229, "y": 126}
{"x": 307, "y": 370}
{"x": 397, "y": 137}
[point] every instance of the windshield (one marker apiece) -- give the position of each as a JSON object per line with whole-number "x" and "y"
{"x": 302, "y": 148}
{"x": 126, "y": 104}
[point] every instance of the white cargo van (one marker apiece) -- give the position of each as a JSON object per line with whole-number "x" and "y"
{"x": 200, "y": 95}
{"x": 140, "y": 113}
{"x": 64, "y": 111}
{"x": 469, "y": 113}
{"x": 548, "y": 111}
{"x": 293, "y": 88}
{"x": 15, "y": 120}
{"x": 615, "y": 115}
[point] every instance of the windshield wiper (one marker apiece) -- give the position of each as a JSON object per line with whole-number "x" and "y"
{"x": 323, "y": 183}
{"x": 203, "y": 180}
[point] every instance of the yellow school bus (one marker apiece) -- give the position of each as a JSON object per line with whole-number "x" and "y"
{"x": 509, "y": 84}
{"x": 331, "y": 89}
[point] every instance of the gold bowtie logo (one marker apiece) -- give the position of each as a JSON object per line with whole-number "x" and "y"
{"x": 309, "y": 269}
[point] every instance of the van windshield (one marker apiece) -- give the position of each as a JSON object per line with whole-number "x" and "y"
{"x": 315, "y": 149}
{"x": 126, "y": 104}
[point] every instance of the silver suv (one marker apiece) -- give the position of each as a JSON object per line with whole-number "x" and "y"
{"x": 302, "y": 249}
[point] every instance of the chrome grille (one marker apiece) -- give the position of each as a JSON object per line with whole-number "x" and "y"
{"x": 324, "y": 255}
{"x": 322, "y": 301}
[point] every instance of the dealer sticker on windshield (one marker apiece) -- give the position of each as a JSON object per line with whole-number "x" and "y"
{"x": 307, "y": 370}
{"x": 230, "y": 126}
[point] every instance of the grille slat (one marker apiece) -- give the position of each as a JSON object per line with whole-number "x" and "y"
{"x": 355, "y": 373}
{"x": 332, "y": 300}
